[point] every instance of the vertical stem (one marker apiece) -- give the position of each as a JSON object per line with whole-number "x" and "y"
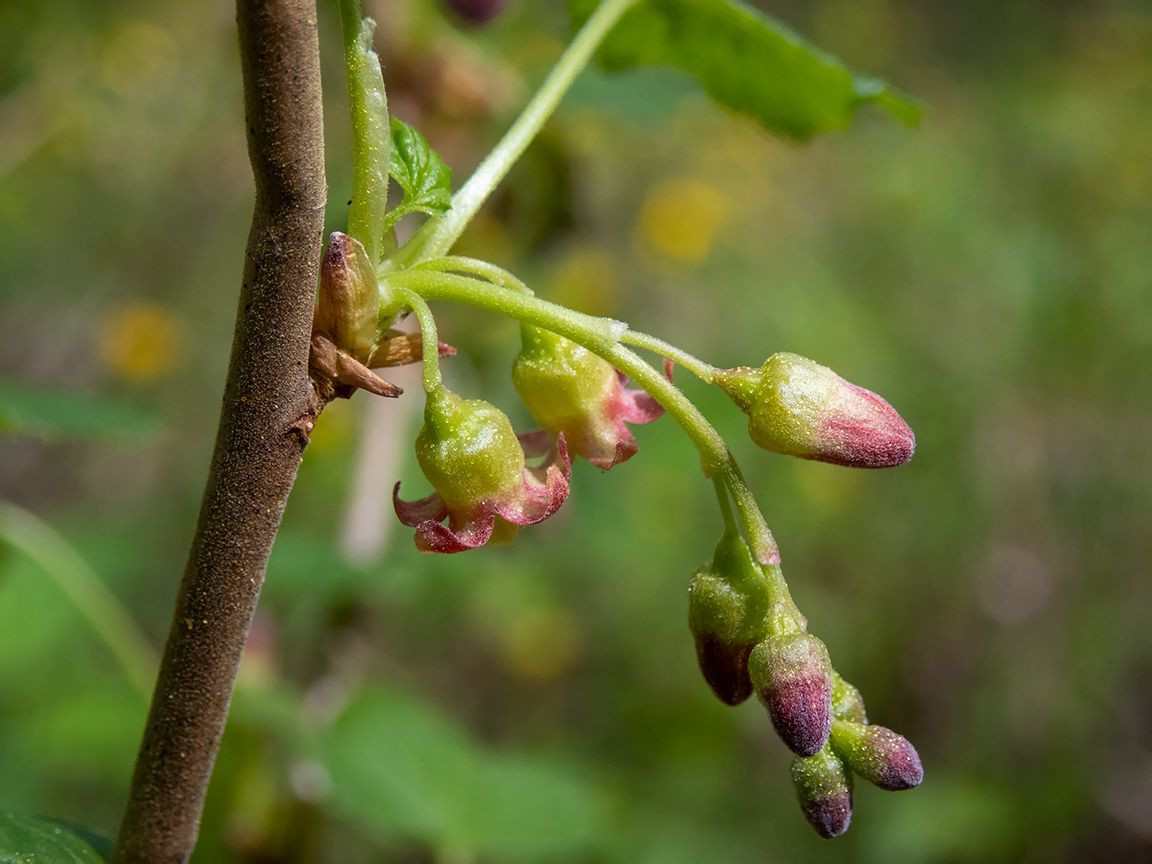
{"x": 267, "y": 407}
{"x": 371, "y": 132}
{"x": 437, "y": 235}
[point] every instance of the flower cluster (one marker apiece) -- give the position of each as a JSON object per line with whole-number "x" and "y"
{"x": 477, "y": 464}
{"x": 751, "y": 639}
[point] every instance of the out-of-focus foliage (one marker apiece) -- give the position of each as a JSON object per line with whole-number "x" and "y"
{"x": 745, "y": 61}
{"x": 29, "y": 838}
{"x": 987, "y": 274}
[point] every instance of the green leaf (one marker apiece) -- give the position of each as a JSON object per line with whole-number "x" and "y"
{"x": 747, "y": 62}
{"x": 34, "y": 840}
{"x": 43, "y": 413}
{"x": 399, "y": 766}
{"x": 421, "y": 173}
{"x": 532, "y": 807}
{"x": 371, "y": 140}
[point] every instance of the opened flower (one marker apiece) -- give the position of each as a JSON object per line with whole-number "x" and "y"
{"x": 799, "y": 408}
{"x": 575, "y": 393}
{"x": 476, "y": 464}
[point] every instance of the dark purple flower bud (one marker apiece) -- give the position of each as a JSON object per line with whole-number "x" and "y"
{"x": 824, "y": 790}
{"x": 878, "y": 755}
{"x": 793, "y": 678}
{"x": 727, "y": 602}
{"x": 476, "y": 11}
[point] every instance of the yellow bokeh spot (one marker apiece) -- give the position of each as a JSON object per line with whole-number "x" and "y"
{"x": 681, "y": 217}
{"x": 138, "y": 60}
{"x": 541, "y": 643}
{"x": 141, "y": 341}
{"x": 825, "y": 487}
{"x": 336, "y": 434}
{"x": 586, "y": 280}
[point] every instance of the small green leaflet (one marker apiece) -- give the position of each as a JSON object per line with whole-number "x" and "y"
{"x": 33, "y": 840}
{"x": 421, "y": 173}
{"x": 747, "y": 62}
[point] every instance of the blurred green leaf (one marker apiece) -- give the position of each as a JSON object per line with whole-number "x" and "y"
{"x": 421, "y": 173}
{"x": 532, "y": 808}
{"x": 400, "y": 766}
{"x": 52, "y": 414}
{"x": 747, "y": 62}
{"x": 34, "y": 840}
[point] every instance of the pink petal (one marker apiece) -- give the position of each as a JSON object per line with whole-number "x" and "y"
{"x": 455, "y": 537}
{"x": 464, "y": 530}
{"x": 545, "y": 489}
{"x": 412, "y": 513}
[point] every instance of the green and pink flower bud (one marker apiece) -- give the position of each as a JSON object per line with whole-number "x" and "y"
{"x": 727, "y": 604}
{"x": 823, "y": 787}
{"x": 349, "y": 302}
{"x": 792, "y": 676}
{"x": 879, "y": 755}
{"x": 476, "y": 464}
{"x": 800, "y": 408}
{"x": 575, "y": 393}
{"x": 847, "y": 703}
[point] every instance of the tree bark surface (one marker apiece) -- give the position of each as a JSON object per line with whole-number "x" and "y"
{"x": 267, "y": 413}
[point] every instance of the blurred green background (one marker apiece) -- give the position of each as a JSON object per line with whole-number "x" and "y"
{"x": 987, "y": 273}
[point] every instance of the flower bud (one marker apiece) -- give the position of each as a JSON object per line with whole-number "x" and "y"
{"x": 792, "y": 676}
{"x": 349, "y": 303}
{"x": 576, "y": 393}
{"x": 878, "y": 755}
{"x": 727, "y": 604}
{"x": 800, "y": 408}
{"x": 476, "y": 464}
{"x": 824, "y": 790}
{"x": 468, "y": 451}
{"x": 847, "y": 703}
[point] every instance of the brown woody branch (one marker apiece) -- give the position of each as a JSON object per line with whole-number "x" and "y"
{"x": 269, "y": 406}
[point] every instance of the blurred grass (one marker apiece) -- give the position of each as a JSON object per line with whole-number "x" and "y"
{"x": 986, "y": 273}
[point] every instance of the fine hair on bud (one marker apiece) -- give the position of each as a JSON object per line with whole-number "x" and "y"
{"x": 879, "y": 755}
{"x": 793, "y": 679}
{"x": 824, "y": 791}
{"x": 727, "y": 602}
{"x": 799, "y": 408}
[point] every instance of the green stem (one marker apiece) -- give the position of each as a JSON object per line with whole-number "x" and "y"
{"x": 371, "y": 132}
{"x": 437, "y": 235}
{"x": 592, "y": 332}
{"x": 604, "y": 336}
{"x": 79, "y": 582}
{"x": 725, "y": 503}
{"x": 702, "y": 370}
{"x": 461, "y": 264}
{"x": 430, "y": 365}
